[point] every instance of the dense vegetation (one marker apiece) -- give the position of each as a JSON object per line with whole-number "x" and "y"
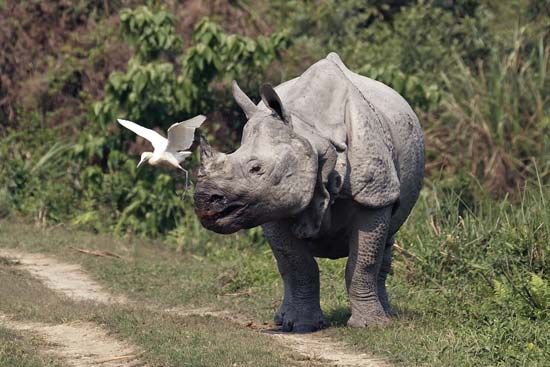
{"x": 476, "y": 72}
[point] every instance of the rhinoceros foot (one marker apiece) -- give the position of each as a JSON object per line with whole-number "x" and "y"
{"x": 367, "y": 319}
{"x": 279, "y": 315}
{"x": 299, "y": 319}
{"x": 390, "y": 312}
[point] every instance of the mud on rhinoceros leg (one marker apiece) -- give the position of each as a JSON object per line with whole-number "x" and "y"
{"x": 382, "y": 276}
{"x": 300, "y": 310}
{"x": 366, "y": 252}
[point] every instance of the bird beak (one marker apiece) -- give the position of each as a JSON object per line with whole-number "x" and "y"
{"x": 140, "y": 163}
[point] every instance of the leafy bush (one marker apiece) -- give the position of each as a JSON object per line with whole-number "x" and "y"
{"x": 151, "y": 33}
{"x": 28, "y": 165}
{"x": 229, "y": 56}
{"x": 148, "y": 93}
{"x": 152, "y": 92}
{"x": 146, "y": 205}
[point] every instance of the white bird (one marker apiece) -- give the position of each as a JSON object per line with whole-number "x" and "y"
{"x": 167, "y": 152}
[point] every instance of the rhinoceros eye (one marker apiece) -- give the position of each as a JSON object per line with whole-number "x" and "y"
{"x": 255, "y": 167}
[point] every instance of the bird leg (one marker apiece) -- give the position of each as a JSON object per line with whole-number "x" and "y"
{"x": 186, "y": 178}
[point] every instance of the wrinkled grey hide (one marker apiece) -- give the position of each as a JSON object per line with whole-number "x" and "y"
{"x": 331, "y": 164}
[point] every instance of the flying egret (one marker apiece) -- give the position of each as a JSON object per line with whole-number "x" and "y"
{"x": 168, "y": 152}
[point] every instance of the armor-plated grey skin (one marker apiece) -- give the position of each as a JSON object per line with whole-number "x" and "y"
{"x": 330, "y": 164}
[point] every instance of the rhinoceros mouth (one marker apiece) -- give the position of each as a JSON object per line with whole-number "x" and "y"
{"x": 233, "y": 209}
{"x": 218, "y": 220}
{"x": 228, "y": 220}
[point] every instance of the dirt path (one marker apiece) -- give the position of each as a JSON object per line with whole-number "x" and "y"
{"x": 315, "y": 346}
{"x": 73, "y": 282}
{"x": 322, "y": 347}
{"x": 80, "y": 344}
{"x": 68, "y": 279}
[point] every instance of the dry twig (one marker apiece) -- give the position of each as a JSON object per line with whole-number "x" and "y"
{"x": 97, "y": 253}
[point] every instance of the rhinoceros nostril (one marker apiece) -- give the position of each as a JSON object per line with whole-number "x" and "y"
{"x": 215, "y": 198}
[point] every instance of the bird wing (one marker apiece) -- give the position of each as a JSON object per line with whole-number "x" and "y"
{"x": 158, "y": 141}
{"x": 182, "y": 134}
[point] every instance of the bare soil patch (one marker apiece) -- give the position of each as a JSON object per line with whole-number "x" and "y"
{"x": 68, "y": 279}
{"x": 80, "y": 344}
{"x": 320, "y": 347}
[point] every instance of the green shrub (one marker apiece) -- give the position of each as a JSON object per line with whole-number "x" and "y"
{"x": 24, "y": 174}
{"x": 150, "y": 32}
{"x": 157, "y": 89}
{"x": 148, "y": 93}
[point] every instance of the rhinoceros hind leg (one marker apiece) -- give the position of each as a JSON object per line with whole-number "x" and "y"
{"x": 382, "y": 275}
{"x": 366, "y": 252}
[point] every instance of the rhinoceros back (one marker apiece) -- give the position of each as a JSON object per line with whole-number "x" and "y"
{"x": 407, "y": 137}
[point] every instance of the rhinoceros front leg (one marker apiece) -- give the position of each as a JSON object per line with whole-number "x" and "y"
{"x": 366, "y": 252}
{"x": 300, "y": 310}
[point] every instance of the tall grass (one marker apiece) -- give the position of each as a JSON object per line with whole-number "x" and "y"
{"x": 497, "y": 250}
{"x": 494, "y": 119}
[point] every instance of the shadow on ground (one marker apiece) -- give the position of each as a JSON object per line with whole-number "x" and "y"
{"x": 338, "y": 316}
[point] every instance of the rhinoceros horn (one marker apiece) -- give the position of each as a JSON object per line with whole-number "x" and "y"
{"x": 207, "y": 152}
{"x": 211, "y": 161}
{"x": 243, "y": 101}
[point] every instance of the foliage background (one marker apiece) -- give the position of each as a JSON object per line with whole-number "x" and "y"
{"x": 476, "y": 73}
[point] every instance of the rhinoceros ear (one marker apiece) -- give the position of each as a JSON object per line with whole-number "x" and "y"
{"x": 271, "y": 99}
{"x": 243, "y": 101}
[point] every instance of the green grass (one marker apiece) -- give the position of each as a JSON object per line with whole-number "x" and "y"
{"x": 167, "y": 340}
{"x": 470, "y": 280}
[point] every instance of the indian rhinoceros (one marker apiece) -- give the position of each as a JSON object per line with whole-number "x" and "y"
{"x": 330, "y": 165}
